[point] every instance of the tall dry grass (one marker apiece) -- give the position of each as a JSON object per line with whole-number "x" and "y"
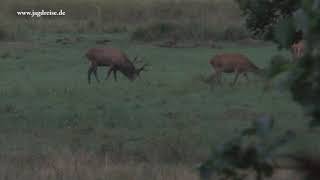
{"x": 87, "y": 166}
{"x": 122, "y": 15}
{"x": 82, "y": 165}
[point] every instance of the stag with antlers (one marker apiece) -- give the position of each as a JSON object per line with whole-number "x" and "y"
{"x": 116, "y": 60}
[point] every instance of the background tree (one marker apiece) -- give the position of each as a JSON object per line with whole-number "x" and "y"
{"x": 262, "y": 16}
{"x": 286, "y": 22}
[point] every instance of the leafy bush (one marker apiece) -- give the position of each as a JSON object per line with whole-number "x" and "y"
{"x": 155, "y": 31}
{"x": 12, "y": 31}
{"x": 263, "y": 15}
{"x": 4, "y": 32}
{"x": 253, "y": 149}
{"x": 278, "y": 64}
{"x": 115, "y": 29}
{"x": 306, "y": 76}
{"x": 187, "y": 31}
{"x": 272, "y": 19}
{"x": 288, "y": 22}
{"x": 234, "y": 33}
{"x": 306, "y": 86}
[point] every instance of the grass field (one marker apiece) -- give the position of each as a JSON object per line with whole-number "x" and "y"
{"x": 54, "y": 125}
{"x": 168, "y": 116}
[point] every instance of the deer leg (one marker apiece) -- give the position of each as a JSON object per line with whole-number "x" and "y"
{"x": 216, "y": 76}
{"x": 109, "y": 72}
{"x": 246, "y": 76}
{"x": 115, "y": 74}
{"x": 220, "y": 78}
{"x": 96, "y": 74}
{"x": 91, "y": 69}
{"x": 236, "y": 78}
{"x": 213, "y": 77}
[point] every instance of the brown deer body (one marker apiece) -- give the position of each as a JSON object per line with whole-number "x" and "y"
{"x": 297, "y": 50}
{"x": 232, "y": 63}
{"x": 113, "y": 58}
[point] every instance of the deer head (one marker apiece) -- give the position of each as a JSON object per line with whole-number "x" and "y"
{"x": 135, "y": 60}
{"x": 142, "y": 68}
{"x": 132, "y": 72}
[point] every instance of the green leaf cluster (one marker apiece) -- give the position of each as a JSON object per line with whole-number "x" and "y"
{"x": 253, "y": 149}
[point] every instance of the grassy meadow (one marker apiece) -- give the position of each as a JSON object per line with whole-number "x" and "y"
{"x": 54, "y": 125}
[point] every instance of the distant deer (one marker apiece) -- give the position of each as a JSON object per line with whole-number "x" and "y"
{"x": 297, "y": 50}
{"x": 116, "y": 60}
{"x": 232, "y": 63}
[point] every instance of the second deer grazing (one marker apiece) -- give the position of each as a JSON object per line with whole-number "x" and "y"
{"x": 116, "y": 60}
{"x": 232, "y": 63}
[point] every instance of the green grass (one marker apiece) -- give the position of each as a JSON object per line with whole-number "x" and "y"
{"x": 46, "y": 103}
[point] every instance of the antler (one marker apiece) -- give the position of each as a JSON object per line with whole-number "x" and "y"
{"x": 135, "y": 60}
{"x": 142, "y": 68}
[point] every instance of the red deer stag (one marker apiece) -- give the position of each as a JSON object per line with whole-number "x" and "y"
{"x": 297, "y": 50}
{"x": 115, "y": 59}
{"x": 232, "y": 63}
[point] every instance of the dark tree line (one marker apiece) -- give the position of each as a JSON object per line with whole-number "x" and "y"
{"x": 284, "y": 22}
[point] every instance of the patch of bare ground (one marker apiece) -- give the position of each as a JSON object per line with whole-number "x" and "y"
{"x": 70, "y": 40}
{"x": 247, "y": 42}
{"x": 186, "y": 44}
{"x": 285, "y": 174}
{"x": 239, "y": 113}
{"x": 250, "y": 42}
{"x": 24, "y": 45}
{"x": 171, "y": 115}
{"x": 280, "y": 174}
